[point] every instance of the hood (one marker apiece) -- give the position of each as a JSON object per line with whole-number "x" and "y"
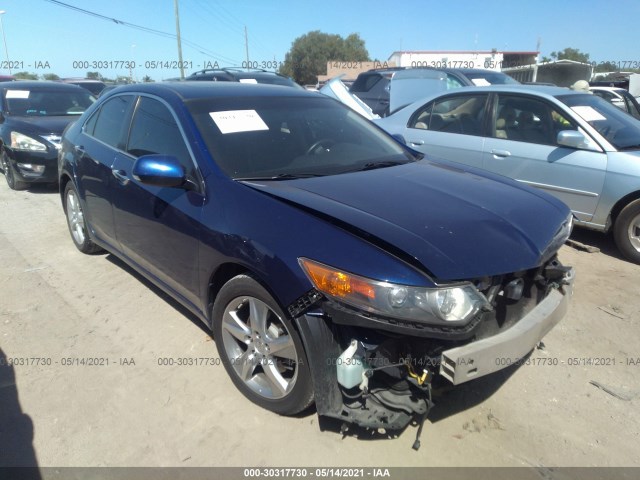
{"x": 455, "y": 223}
{"x": 42, "y": 125}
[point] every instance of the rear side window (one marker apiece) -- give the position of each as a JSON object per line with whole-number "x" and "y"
{"x": 155, "y": 131}
{"x": 109, "y": 123}
{"x": 454, "y": 114}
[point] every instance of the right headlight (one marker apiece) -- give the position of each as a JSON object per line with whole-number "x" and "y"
{"x": 449, "y": 304}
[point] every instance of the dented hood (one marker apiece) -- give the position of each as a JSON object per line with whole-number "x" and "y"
{"x": 455, "y": 222}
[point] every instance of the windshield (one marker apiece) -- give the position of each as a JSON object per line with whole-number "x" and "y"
{"x": 47, "y": 103}
{"x": 620, "y": 129}
{"x": 289, "y": 137}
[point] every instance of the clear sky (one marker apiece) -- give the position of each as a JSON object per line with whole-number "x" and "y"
{"x": 42, "y": 37}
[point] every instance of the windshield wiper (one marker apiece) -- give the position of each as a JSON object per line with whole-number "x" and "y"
{"x": 374, "y": 165}
{"x": 283, "y": 176}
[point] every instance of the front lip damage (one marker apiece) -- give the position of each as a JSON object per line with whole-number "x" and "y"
{"x": 476, "y": 359}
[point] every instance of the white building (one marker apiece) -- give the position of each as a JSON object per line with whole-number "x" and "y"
{"x": 490, "y": 60}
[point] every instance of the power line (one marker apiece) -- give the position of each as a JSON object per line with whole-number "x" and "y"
{"x": 153, "y": 31}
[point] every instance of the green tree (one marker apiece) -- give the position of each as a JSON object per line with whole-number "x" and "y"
{"x": 571, "y": 54}
{"x": 147, "y": 79}
{"x": 310, "y": 53}
{"x": 607, "y": 67}
{"x": 94, "y": 75}
{"x": 51, "y": 76}
{"x": 25, "y": 76}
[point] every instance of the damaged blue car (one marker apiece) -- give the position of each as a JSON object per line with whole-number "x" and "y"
{"x": 332, "y": 264}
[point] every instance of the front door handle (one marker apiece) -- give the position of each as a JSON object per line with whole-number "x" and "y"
{"x": 416, "y": 143}
{"x": 121, "y": 176}
{"x": 501, "y": 153}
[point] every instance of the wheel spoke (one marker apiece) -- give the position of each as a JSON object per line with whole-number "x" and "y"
{"x": 283, "y": 347}
{"x": 236, "y": 327}
{"x": 258, "y": 313}
{"x": 274, "y": 377}
{"x": 245, "y": 365}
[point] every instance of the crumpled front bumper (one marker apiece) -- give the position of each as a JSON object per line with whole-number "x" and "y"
{"x": 494, "y": 353}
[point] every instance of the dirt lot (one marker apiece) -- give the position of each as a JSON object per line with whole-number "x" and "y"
{"x": 58, "y": 305}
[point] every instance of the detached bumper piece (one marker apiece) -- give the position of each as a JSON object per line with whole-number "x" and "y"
{"x": 461, "y": 364}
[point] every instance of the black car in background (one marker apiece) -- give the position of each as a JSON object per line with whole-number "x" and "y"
{"x": 33, "y": 116}
{"x": 372, "y": 86}
{"x": 242, "y": 76}
{"x": 94, "y": 86}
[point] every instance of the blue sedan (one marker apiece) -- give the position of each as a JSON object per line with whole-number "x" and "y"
{"x": 331, "y": 262}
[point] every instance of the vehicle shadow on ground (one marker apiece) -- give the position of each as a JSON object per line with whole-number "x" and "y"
{"x": 16, "y": 428}
{"x": 604, "y": 242}
{"x": 43, "y": 188}
{"x": 160, "y": 293}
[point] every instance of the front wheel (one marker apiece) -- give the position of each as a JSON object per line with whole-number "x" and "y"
{"x": 626, "y": 231}
{"x": 10, "y": 175}
{"x": 76, "y": 223}
{"x": 260, "y": 349}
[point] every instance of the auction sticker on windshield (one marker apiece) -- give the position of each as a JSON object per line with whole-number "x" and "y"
{"x": 234, "y": 121}
{"x": 17, "y": 94}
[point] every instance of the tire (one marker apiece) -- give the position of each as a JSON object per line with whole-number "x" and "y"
{"x": 76, "y": 223}
{"x": 10, "y": 174}
{"x": 277, "y": 381}
{"x": 626, "y": 231}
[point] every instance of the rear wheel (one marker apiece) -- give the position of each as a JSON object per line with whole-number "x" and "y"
{"x": 626, "y": 231}
{"x": 76, "y": 223}
{"x": 10, "y": 174}
{"x": 260, "y": 349}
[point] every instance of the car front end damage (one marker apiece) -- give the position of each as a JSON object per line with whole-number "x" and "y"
{"x": 375, "y": 370}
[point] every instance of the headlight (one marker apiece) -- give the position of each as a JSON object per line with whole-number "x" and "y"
{"x": 445, "y": 304}
{"x": 24, "y": 142}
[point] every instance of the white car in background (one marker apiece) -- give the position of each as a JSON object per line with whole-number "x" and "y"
{"x": 620, "y": 98}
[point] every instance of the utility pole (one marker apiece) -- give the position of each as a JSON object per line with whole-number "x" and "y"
{"x": 175, "y": 4}
{"x": 246, "y": 46}
{"x": 535, "y": 66}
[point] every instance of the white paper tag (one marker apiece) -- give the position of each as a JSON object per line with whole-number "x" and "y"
{"x": 480, "y": 82}
{"x": 234, "y": 121}
{"x": 248, "y": 80}
{"x": 17, "y": 94}
{"x": 588, "y": 113}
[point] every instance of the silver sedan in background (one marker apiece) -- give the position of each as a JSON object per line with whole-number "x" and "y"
{"x": 574, "y": 145}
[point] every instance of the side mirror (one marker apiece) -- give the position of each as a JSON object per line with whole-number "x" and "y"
{"x": 577, "y": 140}
{"x": 159, "y": 170}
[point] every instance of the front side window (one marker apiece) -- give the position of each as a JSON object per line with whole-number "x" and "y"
{"x": 530, "y": 120}
{"x": 453, "y": 114}
{"x": 155, "y": 131}
{"x": 108, "y": 124}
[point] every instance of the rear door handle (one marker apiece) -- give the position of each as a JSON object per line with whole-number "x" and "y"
{"x": 121, "y": 176}
{"x": 416, "y": 143}
{"x": 501, "y": 153}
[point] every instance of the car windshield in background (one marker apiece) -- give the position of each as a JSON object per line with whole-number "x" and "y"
{"x": 47, "y": 103}
{"x": 483, "y": 79}
{"x": 282, "y": 138}
{"x": 620, "y": 129}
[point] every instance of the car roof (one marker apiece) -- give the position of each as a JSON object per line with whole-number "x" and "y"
{"x": 539, "y": 90}
{"x": 201, "y": 90}
{"x": 39, "y": 84}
